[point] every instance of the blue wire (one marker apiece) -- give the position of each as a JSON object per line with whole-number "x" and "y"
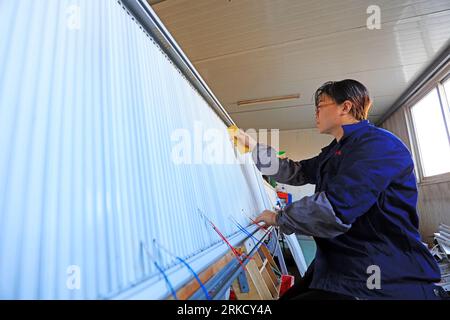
{"x": 167, "y": 280}
{"x": 196, "y": 277}
{"x": 190, "y": 269}
{"x": 248, "y": 233}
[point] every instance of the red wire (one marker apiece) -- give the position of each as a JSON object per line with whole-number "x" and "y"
{"x": 260, "y": 227}
{"x": 233, "y": 249}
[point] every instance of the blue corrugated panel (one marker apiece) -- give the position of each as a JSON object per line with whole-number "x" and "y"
{"x": 88, "y": 106}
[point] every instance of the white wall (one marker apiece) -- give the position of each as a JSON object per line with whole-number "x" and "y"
{"x": 299, "y": 145}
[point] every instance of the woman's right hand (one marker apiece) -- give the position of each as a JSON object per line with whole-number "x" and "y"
{"x": 245, "y": 140}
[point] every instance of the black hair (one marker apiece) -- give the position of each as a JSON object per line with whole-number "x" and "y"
{"x": 347, "y": 89}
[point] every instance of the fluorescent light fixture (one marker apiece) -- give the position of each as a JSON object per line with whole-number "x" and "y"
{"x": 268, "y": 99}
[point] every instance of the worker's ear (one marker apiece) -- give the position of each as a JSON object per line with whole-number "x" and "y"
{"x": 346, "y": 107}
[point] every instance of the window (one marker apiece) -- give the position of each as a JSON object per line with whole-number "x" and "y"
{"x": 432, "y": 131}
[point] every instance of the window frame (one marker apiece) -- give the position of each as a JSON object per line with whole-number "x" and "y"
{"x": 435, "y": 83}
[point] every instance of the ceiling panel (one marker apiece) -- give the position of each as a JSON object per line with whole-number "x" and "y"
{"x": 254, "y": 49}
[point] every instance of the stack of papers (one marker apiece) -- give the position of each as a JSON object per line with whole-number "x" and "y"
{"x": 441, "y": 252}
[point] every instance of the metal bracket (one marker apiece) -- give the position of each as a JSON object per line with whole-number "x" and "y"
{"x": 243, "y": 282}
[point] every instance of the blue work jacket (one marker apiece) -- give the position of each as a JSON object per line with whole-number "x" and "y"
{"x": 366, "y": 194}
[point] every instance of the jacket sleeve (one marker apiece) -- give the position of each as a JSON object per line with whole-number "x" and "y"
{"x": 311, "y": 216}
{"x": 285, "y": 170}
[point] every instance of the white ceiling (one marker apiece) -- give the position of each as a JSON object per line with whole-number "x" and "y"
{"x": 251, "y": 49}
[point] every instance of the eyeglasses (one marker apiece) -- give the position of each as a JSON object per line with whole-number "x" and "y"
{"x": 323, "y": 105}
